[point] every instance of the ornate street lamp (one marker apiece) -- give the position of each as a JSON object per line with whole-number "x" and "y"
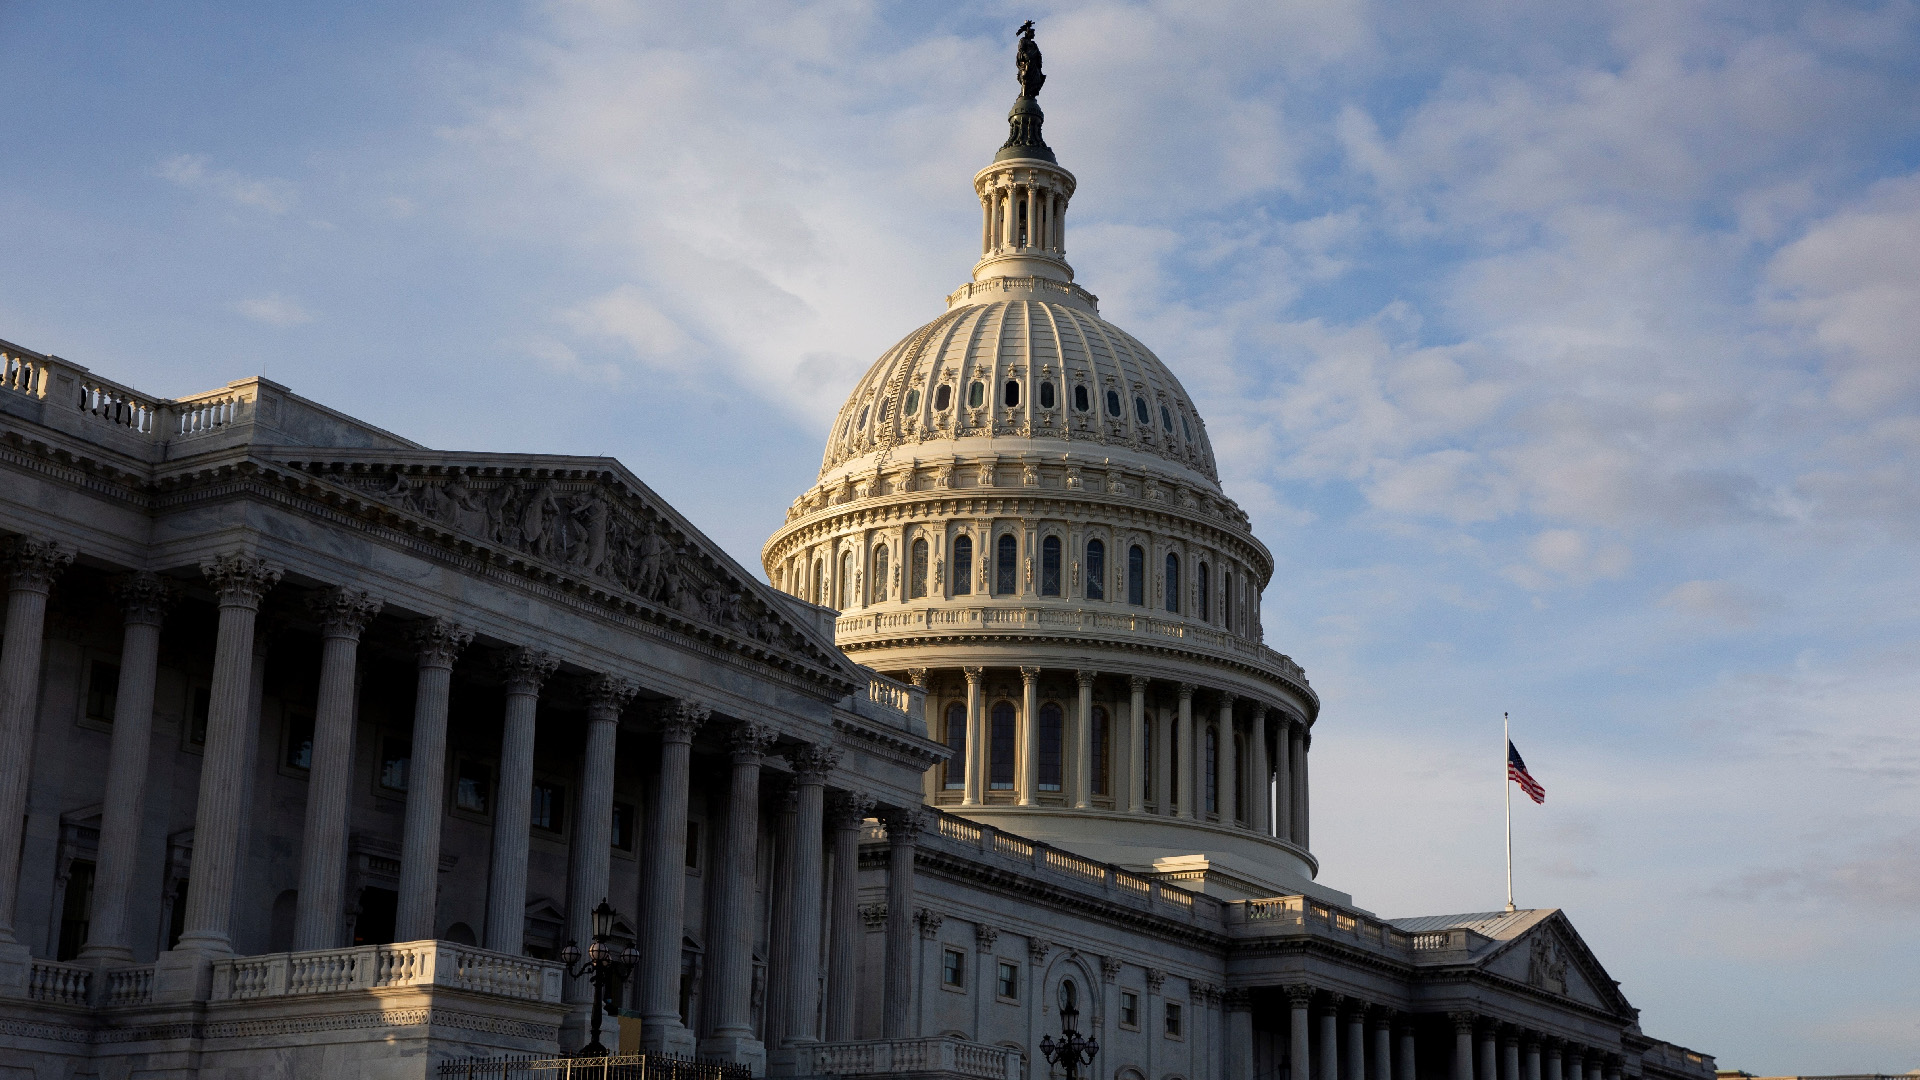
{"x": 606, "y": 970}
{"x": 1073, "y": 1050}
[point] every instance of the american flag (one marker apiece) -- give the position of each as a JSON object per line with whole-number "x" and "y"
{"x": 1517, "y": 772}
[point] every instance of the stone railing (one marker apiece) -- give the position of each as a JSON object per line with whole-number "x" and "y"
{"x": 939, "y": 1055}
{"x": 1125, "y": 624}
{"x": 59, "y": 984}
{"x": 368, "y": 967}
{"x": 68, "y": 389}
{"x": 892, "y": 702}
{"x": 1291, "y": 915}
{"x": 128, "y": 986}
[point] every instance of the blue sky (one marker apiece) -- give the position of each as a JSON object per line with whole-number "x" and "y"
{"x": 1564, "y": 355}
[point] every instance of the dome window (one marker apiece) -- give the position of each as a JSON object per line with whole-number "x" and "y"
{"x": 1007, "y": 566}
{"x": 1166, "y": 419}
{"x": 942, "y": 398}
{"x": 1010, "y": 394}
{"x": 862, "y": 425}
{"x": 1080, "y": 400}
{"x": 1186, "y": 429}
{"x": 1136, "y": 576}
{"x": 917, "y": 570}
{"x": 1096, "y": 570}
{"x": 1140, "y": 412}
{"x": 1113, "y": 403}
{"x": 1046, "y": 395}
{"x": 1173, "y": 583}
{"x": 976, "y": 394}
{"x": 1050, "y": 566}
{"x": 913, "y": 401}
{"x": 963, "y": 563}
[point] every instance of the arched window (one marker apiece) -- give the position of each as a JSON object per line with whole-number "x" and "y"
{"x": 1010, "y": 394}
{"x": 955, "y": 770}
{"x": 1205, "y": 597}
{"x": 1050, "y": 566}
{"x": 917, "y": 570}
{"x": 1096, "y": 570}
{"x": 1186, "y": 429}
{"x": 1226, "y": 599}
{"x": 1046, "y": 395}
{"x": 819, "y": 582}
{"x": 863, "y": 417}
{"x": 1052, "y": 724}
{"x": 1213, "y": 771}
{"x": 1137, "y": 576}
{"x": 913, "y": 402}
{"x": 843, "y": 589}
{"x": 942, "y": 397}
{"x": 1173, "y": 582}
{"x": 1239, "y": 787}
{"x": 1166, "y": 419}
{"x": 1140, "y": 412}
{"x": 1113, "y": 403}
{"x": 962, "y": 565}
{"x": 1000, "y": 763}
{"x": 976, "y": 394}
{"x": 1006, "y": 570}
{"x": 1098, "y": 737}
{"x": 879, "y": 590}
{"x": 1080, "y": 400}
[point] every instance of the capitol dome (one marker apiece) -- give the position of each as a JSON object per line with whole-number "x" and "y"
{"x": 1018, "y": 510}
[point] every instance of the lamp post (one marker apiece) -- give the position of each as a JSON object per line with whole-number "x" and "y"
{"x": 1073, "y": 1050}
{"x": 605, "y": 969}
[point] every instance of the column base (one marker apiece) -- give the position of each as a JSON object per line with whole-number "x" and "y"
{"x": 183, "y": 974}
{"x": 738, "y": 1050}
{"x": 104, "y": 956}
{"x": 576, "y": 1028}
{"x": 16, "y": 966}
{"x": 666, "y": 1036}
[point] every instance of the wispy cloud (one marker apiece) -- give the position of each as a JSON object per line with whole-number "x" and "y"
{"x": 275, "y": 310}
{"x": 196, "y": 172}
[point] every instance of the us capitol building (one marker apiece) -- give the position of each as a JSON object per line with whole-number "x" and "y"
{"x": 323, "y": 745}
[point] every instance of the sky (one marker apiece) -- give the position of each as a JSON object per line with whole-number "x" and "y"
{"x": 1563, "y": 354}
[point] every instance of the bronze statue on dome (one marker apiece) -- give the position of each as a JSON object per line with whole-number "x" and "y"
{"x": 1027, "y": 61}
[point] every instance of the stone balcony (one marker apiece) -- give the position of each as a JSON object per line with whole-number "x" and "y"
{"x": 943, "y": 1057}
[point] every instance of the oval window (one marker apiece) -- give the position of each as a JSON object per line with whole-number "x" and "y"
{"x": 1080, "y": 401}
{"x": 1046, "y": 395}
{"x": 1166, "y": 419}
{"x": 1186, "y": 429}
{"x": 1010, "y": 394}
{"x": 976, "y": 394}
{"x": 1140, "y": 412}
{"x": 863, "y": 417}
{"x": 913, "y": 401}
{"x": 1113, "y": 403}
{"x": 942, "y": 398}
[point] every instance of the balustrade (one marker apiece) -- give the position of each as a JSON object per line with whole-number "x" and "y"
{"x": 129, "y": 985}
{"x": 66, "y": 386}
{"x": 59, "y": 984}
{"x": 365, "y": 967}
{"x": 938, "y": 1054}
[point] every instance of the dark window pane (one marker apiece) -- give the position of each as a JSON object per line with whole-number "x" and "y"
{"x": 1213, "y": 771}
{"x": 1113, "y": 403}
{"x": 1080, "y": 401}
{"x": 693, "y": 845}
{"x": 621, "y": 835}
{"x": 1052, "y": 720}
{"x": 956, "y": 767}
{"x": 1173, "y": 582}
{"x": 1007, "y": 566}
{"x": 963, "y": 565}
{"x": 1001, "y": 761}
{"x": 473, "y": 787}
{"x": 917, "y": 575}
{"x": 1206, "y": 596}
{"x": 197, "y": 719}
{"x": 1050, "y": 566}
{"x": 1010, "y": 395}
{"x": 1140, "y": 412}
{"x": 75, "y": 910}
{"x": 1098, "y": 737}
{"x": 1096, "y": 570}
{"x": 299, "y": 741}
{"x": 103, "y": 690}
{"x": 1009, "y": 981}
{"x": 396, "y": 758}
{"x": 1136, "y": 576}
{"x": 1046, "y": 395}
{"x": 942, "y": 397}
{"x": 976, "y": 394}
{"x": 549, "y": 807}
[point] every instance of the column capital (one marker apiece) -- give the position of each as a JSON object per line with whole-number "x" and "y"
{"x": 1509, "y": 1035}
{"x": 904, "y": 824}
{"x": 144, "y": 598}
{"x": 1237, "y": 1000}
{"x": 608, "y": 694}
{"x": 749, "y": 742}
{"x": 812, "y": 762}
{"x": 527, "y": 670}
{"x": 1029, "y": 675}
{"x": 437, "y": 641}
{"x": 1038, "y": 948}
{"x": 1110, "y": 968}
{"x": 1259, "y": 710}
{"x": 973, "y": 674}
{"x": 1138, "y": 683}
{"x": 1463, "y": 1021}
{"x": 847, "y": 809}
{"x": 32, "y": 562}
{"x": 678, "y": 721}
{"x": 929, "y": 921}
{"x": 1300, "y": 995}
{"x": 344, "y": 612}
{"x": 240, "y": 579}
{"x": 1381, "y": 1015}
{"x": 1155, "y": 980}
{"x": 1085, "y": 678}
{"x": 984, "y": 937}
{"x": 917, "y": 676}
{"x": 1187, "y": 689}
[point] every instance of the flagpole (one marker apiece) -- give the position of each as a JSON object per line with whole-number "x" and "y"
{"x": 1506, "y": 784}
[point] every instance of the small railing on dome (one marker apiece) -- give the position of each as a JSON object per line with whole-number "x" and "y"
{"x": 612, "y": 1067}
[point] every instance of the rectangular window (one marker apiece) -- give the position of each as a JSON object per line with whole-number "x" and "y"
{"x": 1173, "y": 1019}
{"x": 75, "y": 910}
{"x": 1009, "y": 987}
{"x": 1050, "y": 567}
{"x": 549, "y": 807}
{"x": 693, "y": 845}
{"x": 396, "y": 760}
{"x": 1129, "y": 1010}
{"x": 622, "y": 833}
{"x": 953, "y": 968}
{"x": 103, "y": 690}
{"x": 299, "y": 751}
{"x": 1096, "y": 570}
{"x": 473, "y": 787}
{"x": 962, "y": 565}
{"x": 1097, "y": 740}
{"x": 1136, "y": 576}
{"x": 197, "y": 718}
{"x": 1007, "y": 567}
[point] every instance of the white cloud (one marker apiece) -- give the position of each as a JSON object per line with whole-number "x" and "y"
{"x": 195, "y": 172}
{"x": 275, "y": 310}
{"x": 1727, "y": 601}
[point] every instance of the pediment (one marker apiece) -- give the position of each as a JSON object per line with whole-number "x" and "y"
{"x": 591, "y": 520}
{"x": 1551, "y": 956}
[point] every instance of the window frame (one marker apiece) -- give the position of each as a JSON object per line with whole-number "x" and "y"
{"x": 1051, "y": 548}
{"x": 1095, "y": 587}
{"x": 954, "y": 774}
{"x": 1136, "y": 575}
{"x": 1059, "y": 737}
{"x": 489, "y": 795}
{"x": 1129, "y": 1007}
{"x": 1173, "y": 1021}
{"x": 962, "y": 583}
{"x": 1006, "y": 975}
{"x": 562, "y": 804}
{"x": 380, "y": 759}
{"x": 1114, "y": 409}
{"x": 943, "y": 397}
{"x": 953, "y": 969}
{"x": 1046, "y": 396}
{"x": 1172, "y": 590}
{"x": 1012, "y": 762}
{"x": 1006, "y": 565}
{"x": 919, "y": 563}
{"x": 91, "y": 689}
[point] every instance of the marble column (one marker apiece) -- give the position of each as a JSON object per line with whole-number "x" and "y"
{"x": 1532, "y": 1068}
{"x": 342, "y": 615}
{"x": 903, "y": 834}
{"x": 1162, "y": 736}
{"x": 1193, "y": 756}
{"x": 846, "y": 815}
{"x": 1509, "y": 1054}
{"x": 975, "y": 793}
{"x": 730, "y": 946}
{"x": 1229, "y": 781}
{"x": 1462, "y": 1046}
{"x": 1382, "y": 1058}
{"x": 590, "y": 856}
{"x": 1239, "y": 1035}
{"x": 1083, "y": 750}
{"x": 1260, "y": 770}
{"x": 1356, "y": 1055}
{"x": 1330, "y": 1038}
{"x": 1137, "y": 746}
{"x": 525, "y": 670}
{"x": 661, "y": 1031}
{"x": 240, "y": 581}
{"x": 811, "y": 766}
{"x": 931, "y": 780}
{"x": 1553, "y": 1071}
{"x": 1283, "y": 778}
{"x": 1297, "y": 748}
{"x": 143, "y": 598}
{"x": 1489, "y": 1063}
{"x": 1570, "y": 1064}
{"x": 436, "y": 642}
{"x": 1594, "y": 1066}
{"x": 1405, "y": 1061}
{"x": 30, "y": 564}
{"x": 1299, "y": 1060}
{"x": 1029, "y": 756}
{"x": 782, "y": 803}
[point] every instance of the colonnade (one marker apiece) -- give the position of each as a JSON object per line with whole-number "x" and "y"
{"x": 1019, "y": 215}
{"x": 1143, "y": 746}
{"x": 1332, "y": 1036}
{"x": 240, "y": 582}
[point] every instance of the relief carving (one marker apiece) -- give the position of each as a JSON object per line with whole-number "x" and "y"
{"x": 1547, "y": 964}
